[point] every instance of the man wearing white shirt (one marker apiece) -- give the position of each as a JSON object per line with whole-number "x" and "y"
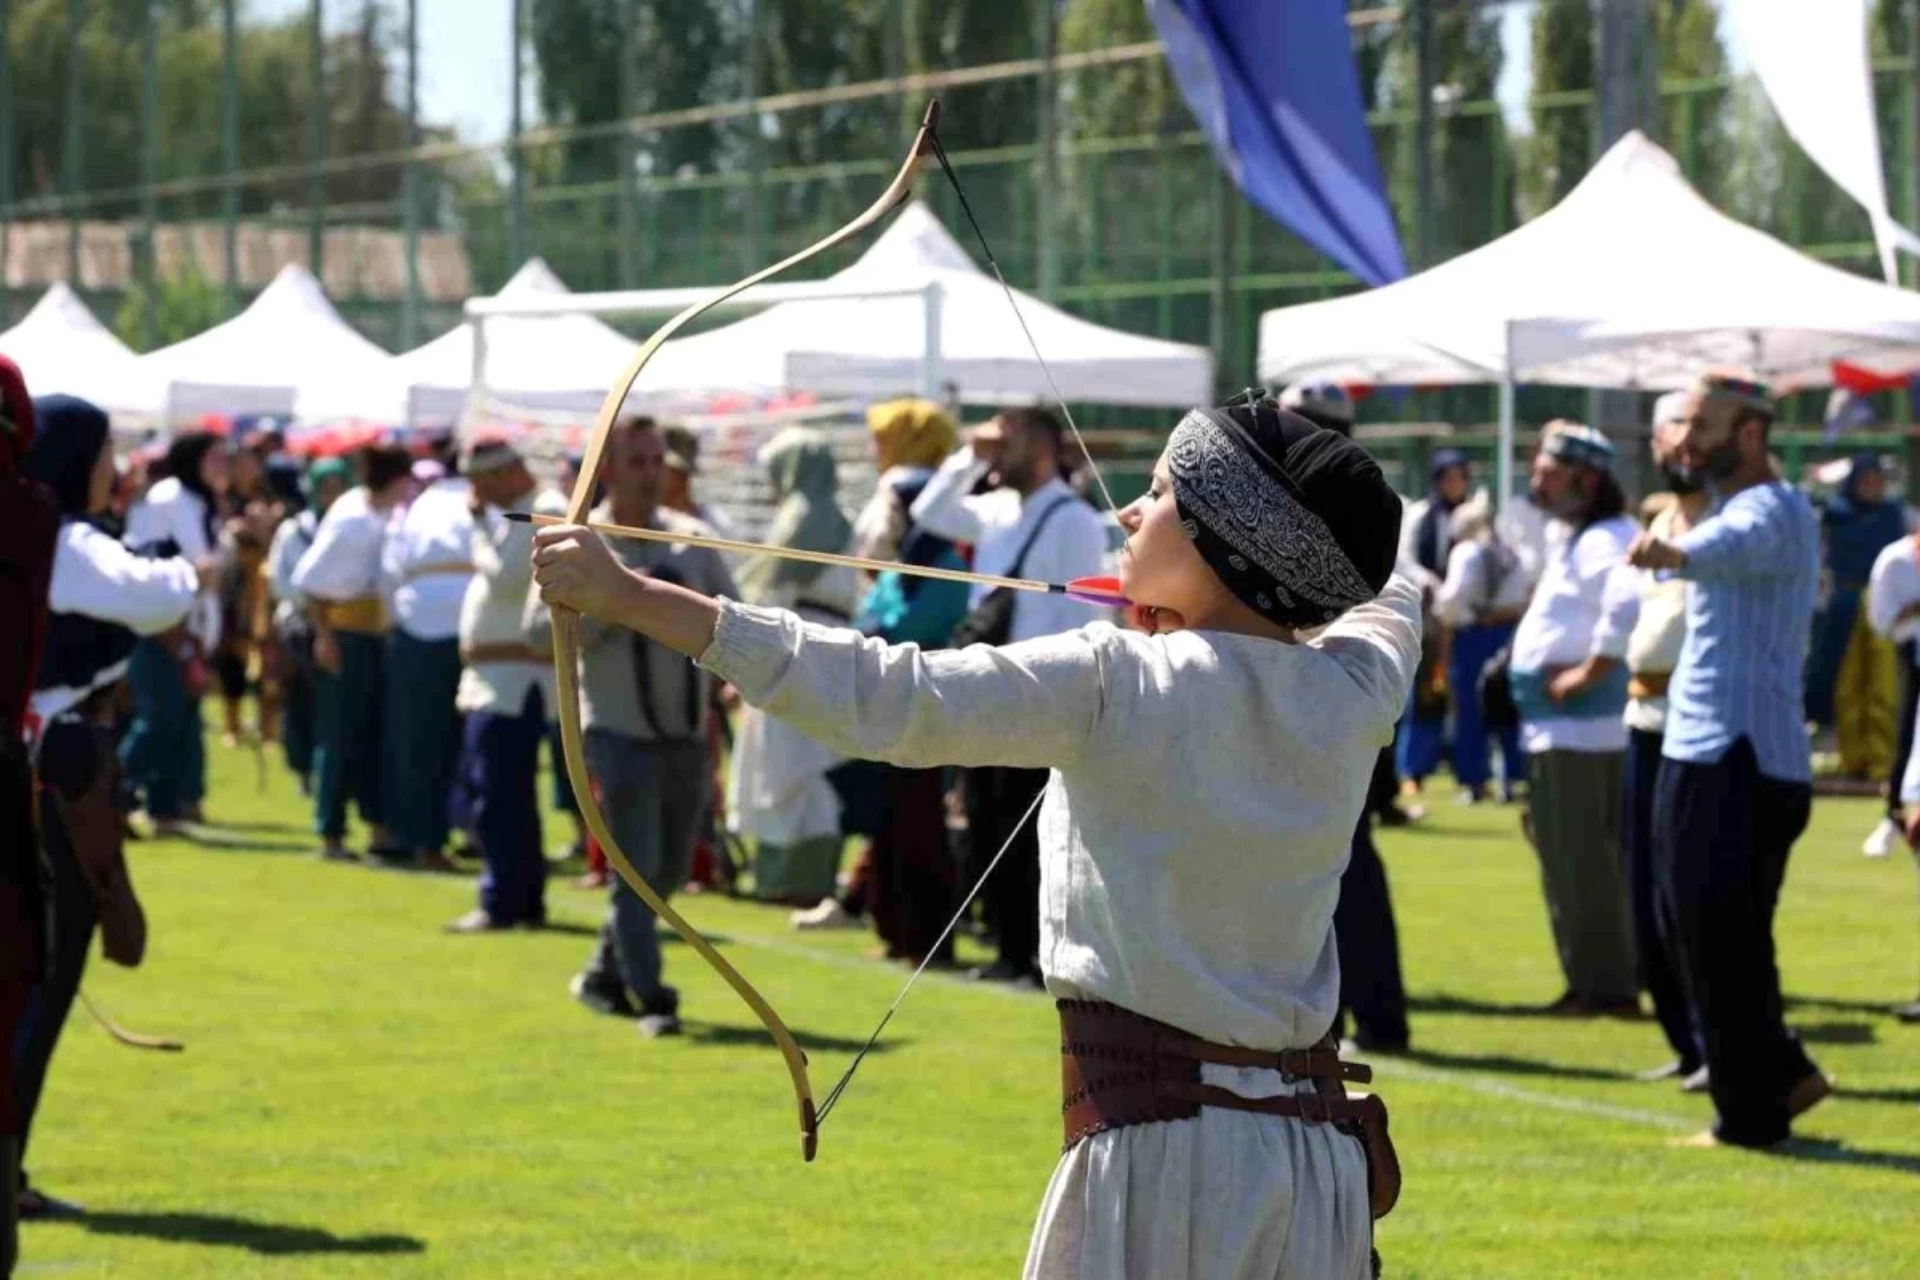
{"x": 506, "y": 693}
{"x": 1893, "y": 611}
{"x": 426, "y": 565}
{"x": 1032, "y": 526}
{"x": 339, "y": 579}
{"x": 326, "y": 480}
{"x": 1569, "y": 681}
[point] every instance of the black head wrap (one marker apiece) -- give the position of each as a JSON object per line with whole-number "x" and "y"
{"x": 71, "y": 433}
{"x": 1297, "y": 521}
{"x": 184, "y": 457}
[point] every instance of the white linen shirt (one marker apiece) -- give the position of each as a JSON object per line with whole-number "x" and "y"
{"x": 428, "y": 540}
{"x": 1469, "y": 590}
{"x": 1893, "y": 587}
{"x": 1073, "y": 544}
{"x": 344, "y": 561}
{"x": 99, "y": 578}
{"x": 495, "y": 609}
{"x": 171, "y": 510}
{"x": 1202, "y": 800}
{"x": 1585, "y": 606}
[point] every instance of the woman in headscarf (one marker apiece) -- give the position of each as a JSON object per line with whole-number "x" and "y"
{"x": 778, "y": 792}
{"x": 164, "y": 752}
{"x": 1208, "y": 768}
{"x": 910, "y": 438}
{"x": 1426, "y": 540}
{"x": 1851, "y": 676}
{"x": 103, "y": 597}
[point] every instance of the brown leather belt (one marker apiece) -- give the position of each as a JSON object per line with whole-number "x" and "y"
{"x": 1119, "y": 1068}
{"x": 440, "y": 569}
{"x": 507, "y": 652}
{"x": 1649, "y": 684}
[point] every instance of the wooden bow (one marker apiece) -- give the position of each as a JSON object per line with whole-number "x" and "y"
{"x": 566, "y": 628}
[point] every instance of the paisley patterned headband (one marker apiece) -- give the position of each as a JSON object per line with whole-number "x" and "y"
{"x": 1251, "y": 527}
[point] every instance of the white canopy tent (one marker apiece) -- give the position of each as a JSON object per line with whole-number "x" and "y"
{"x": 555, "y": 362}
{"x": 932, "y": 314}
{"x": 62, "y": 348}
{"x": 287, "y": 353}
{"x": 1633, "y": 281}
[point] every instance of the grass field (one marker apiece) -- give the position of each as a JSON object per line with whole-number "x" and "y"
{"x": 365, "y": 1096}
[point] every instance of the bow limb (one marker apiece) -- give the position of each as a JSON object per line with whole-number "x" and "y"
{"x": 566, "y": 630}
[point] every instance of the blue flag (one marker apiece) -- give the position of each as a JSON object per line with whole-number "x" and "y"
{"x": 1274, "y": 87}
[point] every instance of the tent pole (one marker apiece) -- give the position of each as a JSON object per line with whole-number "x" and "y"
{"x": 930, "y": 351}
{"x": 1503, "y": 463}
{"x": 477, "y": 384}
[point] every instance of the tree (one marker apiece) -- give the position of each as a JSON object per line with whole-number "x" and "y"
{"x": 1694, "y": 123}
{"x": 1561, "y": 148}
{"x": 188, "y": 304}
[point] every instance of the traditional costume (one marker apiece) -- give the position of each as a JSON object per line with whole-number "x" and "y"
{"x": 1202, "y": 794}
{"x": 102, "y": 600}
{"x": 778, "y": 794}
{"x": 506, "y": 696}
{"x": 164, "y": 752}
{"x": 426, "y": 565}
{"x": 293, "y": 632}
{"x": 1851, "y": 677}
{"x": 339, "y": 577}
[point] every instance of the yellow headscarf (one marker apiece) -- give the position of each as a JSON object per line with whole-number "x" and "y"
{"x": 911, "y": 433}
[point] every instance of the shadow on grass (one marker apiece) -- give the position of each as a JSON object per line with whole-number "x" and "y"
{"x": 1880, "y": 1009}
{"x": 242, "y": 840}
{"x": 1504, "y": 1064}
{"x": 1835, "y": 1032}
{"x": 1830, "y": 1151}
{"x": 668, "y": 938}
{"x": 270, "y": 1238}
{"x": 727, "y": 1034}
{"x": 1900, "y": 1097}
{"x": 1448, "y": 1002}
{"x": 570, "y": 928}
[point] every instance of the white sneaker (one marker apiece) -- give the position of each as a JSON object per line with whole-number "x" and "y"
{"x": 1882, "y": 840}
{"x": 827, "y": 914}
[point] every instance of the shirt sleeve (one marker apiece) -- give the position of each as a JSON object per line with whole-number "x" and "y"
{"x": 96, "y": 576}
{"x": 334, "y": 567}
{"x": 1885, "y": 599}
{"x": 1600, "y": 559}
{"x": 1032, "y": 705}
{"x": 282, "y": 556}
{"x": 1378, "y": 643}
{"x": 1464, "y": 584}
{"x": 1742, "y": 540}
{"x": 947, "y": 507}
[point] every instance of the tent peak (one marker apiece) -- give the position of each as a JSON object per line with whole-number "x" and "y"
{"x": 534, "y": 278}
{"x": 917, "y": 240}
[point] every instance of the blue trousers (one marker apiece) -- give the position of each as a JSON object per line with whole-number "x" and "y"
{"x": 165, "y": 750}
{"x": 422, "y": 737}
{"x": 347, "y": 724}
{"x": 1473, "y": 648}
{"x": 499, "y": 770}
{"x": 1420, "y": 744}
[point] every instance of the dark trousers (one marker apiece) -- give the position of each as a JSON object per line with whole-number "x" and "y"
{"x": 1722, "y": 833}
{"x": 422, "y": 737}
{"x": 499, "y": 778}
{"x": 296, "y": 721}
{"x": 1658, "y": 975}
{"x": 347, "y": 761}
{"x": 913, "y": 895}
{"x": 1369, "y": 947}
{"x": 74, "y": 919}
{"x": 1909, "y": 655}
{"x": 164, "y": 752}
{"x": 997, "y": 799}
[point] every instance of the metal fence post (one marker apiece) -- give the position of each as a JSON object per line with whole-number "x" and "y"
{"x": 516, "y": 157}
{"x": 316, "y": 142}
{"x": 230, "y": 149}
{"x": 410, "y": 186}
{"x": 1423, "y": 247}
{"x": 626, "y": 153}
{"x": 146, "y": 260}
{"x": 756, "y": 147}
{"x": 71, "y": 169}
{"x": 1043, "y": 196}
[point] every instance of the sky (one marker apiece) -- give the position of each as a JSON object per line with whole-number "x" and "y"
{"x": 466, "y": 65}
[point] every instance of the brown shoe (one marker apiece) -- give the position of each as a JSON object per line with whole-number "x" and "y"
{"x": 1808, "y": 1092}
{"x": 477, "y": 921}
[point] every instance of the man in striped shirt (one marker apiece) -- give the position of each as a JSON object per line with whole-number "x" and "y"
{"x": 1734, "y": 789}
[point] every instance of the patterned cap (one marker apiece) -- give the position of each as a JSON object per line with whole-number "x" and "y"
{"x": 1745, "y": 392}
{"x": 1577, "y": 444}
{"x": 489, "y": 451}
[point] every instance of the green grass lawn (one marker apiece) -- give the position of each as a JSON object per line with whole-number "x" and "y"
{"x": 364, "y": 1095}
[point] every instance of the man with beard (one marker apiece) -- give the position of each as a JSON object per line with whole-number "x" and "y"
{"x": 1735, "y": 784}
{"x": 1652, "y": 651}
{"x": 1032, "y": 526}
{"x": 1570, "y": 685}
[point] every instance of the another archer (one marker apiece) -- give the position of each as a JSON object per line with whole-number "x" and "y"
{"x": 1206, "y": 773}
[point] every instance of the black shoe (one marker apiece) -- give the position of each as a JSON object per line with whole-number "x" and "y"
{"x": 660, "y": 1014}
{"x": 1392, "y": 816}
{"x": 38, "y": 1206}
{"x": 1006, "y": 971}
{"x": 1675, "y": 1070}
{"x": 603, "y": 996}
{"x": 1908, "y": 1012}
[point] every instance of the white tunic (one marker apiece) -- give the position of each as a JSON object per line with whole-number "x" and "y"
{"x": 1584, "y": 607}
{"x": 99, "y": 578}
{"x": 1197, "y": 820}
{"x": 428, "y": 560}
{"x": 1893, "y": 588}
{"x": 493, "y": 612}
{"x": 344, "y": 561}
{"x": 171, "y": 510}
{"x": 1073, "y": 544}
